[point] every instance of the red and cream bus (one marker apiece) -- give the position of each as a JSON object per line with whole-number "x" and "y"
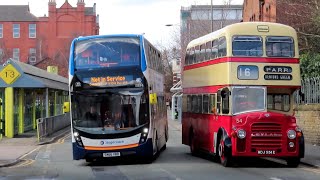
{"x": 238, "y": 93}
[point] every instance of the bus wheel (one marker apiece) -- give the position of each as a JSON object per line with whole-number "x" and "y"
{"x": 164, "y": 147}
{"x": 89, "y": 160}
{"x": 193, "y": 148}
{"x": 293, "y": 162}
{"x": 167, "y": 133}
{"x": 225, "y": 159}
{"x": 146, "y": 159}
{"x": 156, "y": 145}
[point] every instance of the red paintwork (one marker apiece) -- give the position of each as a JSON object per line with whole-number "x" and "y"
{"x": 258, "y": 125}
{"x": 202, "y": 90}
{"x": 214, "y": 89}
{"x": 242, "y": 59}
{"x": 204, "y": 126}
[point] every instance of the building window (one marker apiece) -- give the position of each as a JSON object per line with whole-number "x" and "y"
{"x": 1, "y": 30}
{"x": 16, "y": 30}
{"x": 1, "y": 54}
{"x": 32, "y": 30}
{"x": 32, "y": 55}
{"x": 16, "y": 54}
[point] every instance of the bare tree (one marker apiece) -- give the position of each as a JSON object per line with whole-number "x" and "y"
{"x": 304, "y": 16}
{"x": 4, "y": 52}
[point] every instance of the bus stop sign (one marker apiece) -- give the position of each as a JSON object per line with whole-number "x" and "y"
{"x": 9, "y": 74}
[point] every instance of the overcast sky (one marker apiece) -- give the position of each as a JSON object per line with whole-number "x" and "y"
{"x": 129, "y": 16}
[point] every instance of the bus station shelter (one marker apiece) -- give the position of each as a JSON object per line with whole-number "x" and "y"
{"x": 26, "y": 94}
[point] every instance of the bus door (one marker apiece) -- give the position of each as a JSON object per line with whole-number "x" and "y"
{"x": 212, "y": 125}
{"x": 222, "y": 110}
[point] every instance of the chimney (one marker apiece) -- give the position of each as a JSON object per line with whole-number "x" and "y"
{"x": 94, "y": 8}
{"x": 80, "y": 5}
{"x": 52, "y": 5}
{"x": 80, "y": 2}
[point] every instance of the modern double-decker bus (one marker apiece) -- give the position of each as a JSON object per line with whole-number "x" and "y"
{"x": 117, "y": 99}
{"x": 238, "y": 93}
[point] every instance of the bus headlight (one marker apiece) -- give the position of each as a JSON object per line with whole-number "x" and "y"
{"x": 144, "y": 135}
{"x": 76, "y": 134}
{"x": 241, "y": 134}
{"x": 291, "y": 144}
{"x": 77, "y": 138}
{"x": 145, "y": 130}
{"x": 291, "y": 134}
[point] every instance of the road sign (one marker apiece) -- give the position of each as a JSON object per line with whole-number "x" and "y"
{"x": 9, "y": 74}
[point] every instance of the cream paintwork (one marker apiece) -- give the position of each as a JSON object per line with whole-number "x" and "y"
{"x": 216, "y": 74}
{"x": 226, "y": 74}
{"x": 296, "y": 79}
{"x": 248, "y": 28}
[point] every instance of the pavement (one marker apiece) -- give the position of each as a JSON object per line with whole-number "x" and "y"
{"x": 12, "y": 150}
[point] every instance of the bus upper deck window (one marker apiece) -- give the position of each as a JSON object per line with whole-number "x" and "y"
{"x": 279, "y": 46}
{"x": 247, "y": 46}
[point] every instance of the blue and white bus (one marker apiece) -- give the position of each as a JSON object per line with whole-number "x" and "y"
{"x": 117, "y": 98}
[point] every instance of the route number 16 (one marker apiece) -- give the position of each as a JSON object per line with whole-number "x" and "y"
{"x": 248, "y": 72}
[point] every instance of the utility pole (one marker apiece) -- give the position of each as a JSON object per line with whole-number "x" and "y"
{"x": 211, "y": 16}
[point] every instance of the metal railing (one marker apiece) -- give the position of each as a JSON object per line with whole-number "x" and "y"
{"x": 310, "y": 88}
{"x": 48, "y": 126}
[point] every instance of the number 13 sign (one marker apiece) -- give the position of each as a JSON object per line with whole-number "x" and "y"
{"x": 9, "y": 74}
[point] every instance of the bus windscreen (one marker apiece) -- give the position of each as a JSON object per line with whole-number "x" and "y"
{"x": 107, "y": 52}
{"x": 112, "y": 111}
{"x": 248, "y": 99}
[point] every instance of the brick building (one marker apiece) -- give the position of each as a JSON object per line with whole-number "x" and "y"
{"x": 265, "y": 10}
{"x": 44, "y": 41}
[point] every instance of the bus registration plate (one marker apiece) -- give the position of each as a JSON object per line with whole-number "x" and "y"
{"x": 111, "y": 154}
{"x": 266, "y": 152}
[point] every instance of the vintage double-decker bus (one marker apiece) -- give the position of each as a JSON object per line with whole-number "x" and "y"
{"x": 238, "y": 93}
{"x": 117, "y": 97}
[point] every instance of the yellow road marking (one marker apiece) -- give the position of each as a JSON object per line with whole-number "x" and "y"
{"x": 24, "y": 163}
{"x": 61, "y": 140}
{"x": 314, "y": 170}
{"x": 30, "y": 152}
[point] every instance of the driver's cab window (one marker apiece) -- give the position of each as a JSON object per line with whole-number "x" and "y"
{"x": 218, "y": 102}
{"x": 212, "y": 104}
{"x": 225, "y": 94}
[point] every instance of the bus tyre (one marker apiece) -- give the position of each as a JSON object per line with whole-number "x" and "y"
{"x": 156, "y": 145}
{"x": 164, "y": 147}
{"x": 293, "y": 162}
{"x": 89, "y": 160}
{"x": 225, "y": 159}
{"x": 147, "y": 160}
{"x": 193, "y": 148}
{"x": 167, "y": 133}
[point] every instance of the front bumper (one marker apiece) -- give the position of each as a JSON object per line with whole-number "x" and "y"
{"x": 144, "y": 149}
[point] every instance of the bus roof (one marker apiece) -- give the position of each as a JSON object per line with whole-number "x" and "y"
{"x": 247, "y": 28}
{"x": 80, "y": 38}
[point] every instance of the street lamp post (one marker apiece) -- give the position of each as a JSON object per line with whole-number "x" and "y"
{"x": 211, "y": 16}
{"x": 176, "y": 98}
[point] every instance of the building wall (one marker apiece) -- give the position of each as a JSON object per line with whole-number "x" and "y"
{"x": 7, "y": 42}
{"x": 257, "y": 10}
{"x": 54, "y": 34}
{"x": 64, "y": 24}
{"x": 176, "y": 69}
{"x": 195, "y": 21}
{"x": 308, "y": 119}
